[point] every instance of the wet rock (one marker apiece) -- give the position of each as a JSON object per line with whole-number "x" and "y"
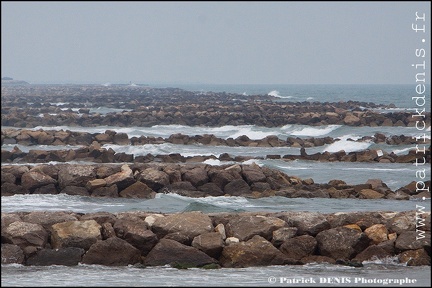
{"x": 372, "y": 252}
{"x": 32, "y": 180}
{"x": 112, "y": 252}
{"x": 75, "y": 175}
{"x": 255, "y": 252}
{"x": 310, "y": 223}
{"x": 11, "y": 253}
{"x": 69, "y": 256}
{"x": 137, "y": 234}
{"x": 416, "y": 257}
{"x": 237, "y": 187}
{"x": 341, "y": 242}
{"x": 172, "y": 252}
{"x": 299, "y": 247}
{"x": 210, "y": 243}
{"x": 317, "y": 259}
{"x": 412, "y": 240}
{"x": 153, "y": 178}
{"x": 283, "y": 234}
{"x": 138, "y": 190}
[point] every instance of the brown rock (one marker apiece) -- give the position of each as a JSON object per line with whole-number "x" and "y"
{"x": 370, "y": 194}
{"x": 172, "y": 252}
{"x": 245, "y": 227}
{"x": 299, "y": 247}
{"x": 137, "y": 234}
{"x": 153, "y": 178}
{"x": 255, "y": 252}
{"x": 282, "y": 234}
{"x": 412, "y": 240}
{"x": 80, "y": 234}
{"x": 11, "y": 253}
{"x": 341, "y": 242}
{"x": 196, "y": 176}
{"x": 210, "y": 243}
{"x": 237, "y": 187}
{"x": 417, "y": 257}
{"x": 112, "y": 252}
{"x": 190, "y": 224}
{"x": 138, "y": 190}
{"x": 110, "y": 192}
{"x": 25, "y": 234}
{"x": 69, "y": 256}
{"x": 310, "y": 223}
{"x": 377, "y": 233}
{"x": 32, "y": 180}
{"x": 47, "y": 219}
{"x": 317, "y": 259}
{"x": 372, "y": 252}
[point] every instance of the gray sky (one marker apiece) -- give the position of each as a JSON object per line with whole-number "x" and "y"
{"x": 212, "y": 42}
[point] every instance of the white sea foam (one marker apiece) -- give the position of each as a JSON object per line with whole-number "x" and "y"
{"x": 402, "y": 151}
{"x": 314, "y": 131}
{"x": 276, "y": 93}
{"x": 251, "y": 133}
{"x": 346, "y": 145}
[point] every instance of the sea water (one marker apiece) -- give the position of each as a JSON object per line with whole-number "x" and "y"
{"x": 377, "y": 272}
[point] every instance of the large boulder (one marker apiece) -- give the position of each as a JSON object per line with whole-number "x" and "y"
{"x": 138, "y": 190}
{"x": 11, "y": 253}
{"x": 245, "y": 227}
{"x": 32, "y": 180}
{"x": 410, "y": 240}
{"x": 253, "y": 173}
{"x": 255, "y": 252}
{"x": 80, "y": 234}
{"x": 299, "y": 247}
{"x": 210, "y": 243}
{"x": 372, "y": 252}
{"x": 282, "y": 234}
{"x": 190, "y": 224}
{"x": 418, "y": 257}
{"x": 154, "y": 178}
{"x": 341, "y": 242}
{"x": 310, "y": 223}
{"x": 47, "y": 219}
{"x": 69, "y": 256}
{"x": 196, "y": 176}
{"x": 136, "y": 233}
{"x": 25, "y": 234}
{"x": 121, "y": 179}
{"x": 75, "y": 175}
{"x": 377, "y": 233}
{"x": 237, "y": 187}
{"x": 174, "y": 253}
{"x": 112, "y": 252}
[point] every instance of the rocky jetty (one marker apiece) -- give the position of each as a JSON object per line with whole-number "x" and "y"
{"x": 60, "y": 137}
{"x": 31, "y": 106}
{"x": 195, "y": 239}
{"x": 144, "y": 180}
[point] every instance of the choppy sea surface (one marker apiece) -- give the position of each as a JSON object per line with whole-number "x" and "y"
{"x": 379, "y": 272}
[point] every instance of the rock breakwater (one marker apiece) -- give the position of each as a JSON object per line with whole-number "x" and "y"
{"x": 194, "y": 239}
{"x": 144, "y": 180}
